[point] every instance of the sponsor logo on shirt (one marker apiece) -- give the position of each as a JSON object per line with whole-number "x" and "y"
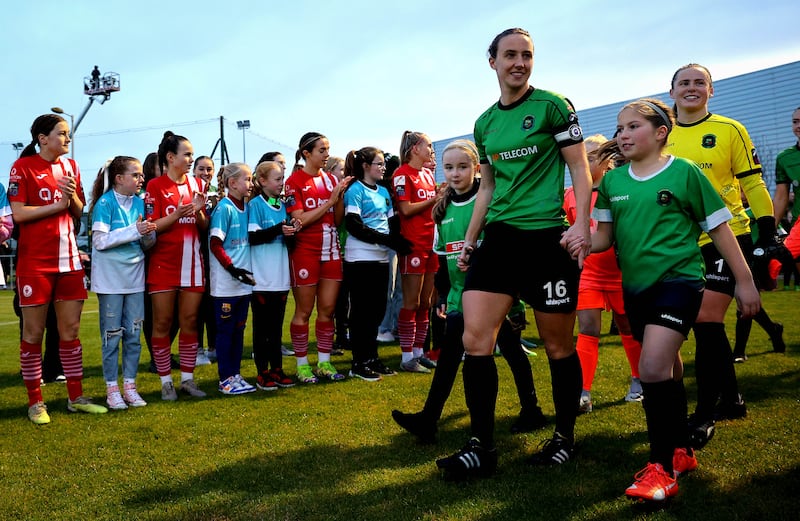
{"x": 454, "y": 247}
{"x": 400, "y": 185}
{"x": 515, "y": 153}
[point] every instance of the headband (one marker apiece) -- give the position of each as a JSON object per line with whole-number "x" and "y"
{"x": 310, "y": 140}
{"x": 661, "y": 113}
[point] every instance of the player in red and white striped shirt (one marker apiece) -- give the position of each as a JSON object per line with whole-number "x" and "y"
{"x": 314, "y": 202}
{"x": 46, "y": 198}
{"x": 176, "y": 202}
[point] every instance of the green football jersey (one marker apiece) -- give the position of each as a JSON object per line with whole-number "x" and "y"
{"x": 449, "y": 242}
{"x": 787, "y": 170}
{"x": 522, "y": 142}
{"x": 657, "y": 221}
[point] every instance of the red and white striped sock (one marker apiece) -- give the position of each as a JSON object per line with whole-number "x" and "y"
{"x": 325, "y": 331}
{"x": 406, "y": 328}
{"x": 422, "y": 319}
{"x": 187, "y": 352}
{"x": 161, "y": 355}
{"x": 71, "y": 353}
{"x": 299, "y": 334}
{"x": 30, "y": 361}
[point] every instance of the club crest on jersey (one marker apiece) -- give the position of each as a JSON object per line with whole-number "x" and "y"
{"x": 528, "y": 122}
{"x": 709, "y": 141}
{"x": 664, "y": 197}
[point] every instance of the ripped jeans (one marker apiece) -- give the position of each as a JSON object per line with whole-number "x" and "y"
{"x": 121, "y": 318}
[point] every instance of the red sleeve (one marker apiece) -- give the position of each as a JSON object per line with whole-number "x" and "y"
{"x": 400, "y": 182}
{"x": 17, "y": 186}
{"x": 293, "y": 203}
{"x": 215, "y": 245}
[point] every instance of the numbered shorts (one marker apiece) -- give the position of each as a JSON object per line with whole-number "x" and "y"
{"x": 719, "y": 276}
{"x": 528, "y": 264}
{"x": 39, "y": 289}
{"x": 308, "y": 270}
{"x": 418, "y": 263}
{"x": 673, "y": 305}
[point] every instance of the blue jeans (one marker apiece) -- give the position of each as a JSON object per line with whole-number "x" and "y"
{"x": 121, "y": 318}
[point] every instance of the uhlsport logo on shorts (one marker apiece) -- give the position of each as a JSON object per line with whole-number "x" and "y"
{"x": 415, "y": 262}
{"x": 27, "y": 291}
{"x": 303, "y": 273}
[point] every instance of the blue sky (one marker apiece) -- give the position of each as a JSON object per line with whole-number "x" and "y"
{"x": 360, "y": 72}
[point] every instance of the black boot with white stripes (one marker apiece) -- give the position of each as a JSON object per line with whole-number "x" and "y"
{"x": 472, "y": 461}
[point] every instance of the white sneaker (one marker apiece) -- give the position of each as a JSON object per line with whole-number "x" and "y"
{"x": 287, "y": 351}
{"x": 202, "y": 357}
{"x": 114, "y": 399}
{"x": 385, "y": 337}
{"x": 132, "y": 397}
{"x": 635, "y": 393}
{"x": 244, "y": 387}
{"x": 585, "y": 403}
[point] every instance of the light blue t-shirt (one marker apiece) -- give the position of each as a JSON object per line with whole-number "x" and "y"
{"x": 374, "y": 206}
{"x": 229, "y": 224}
{"x": 119, "y": 267}
{"x": 270, "y": 261}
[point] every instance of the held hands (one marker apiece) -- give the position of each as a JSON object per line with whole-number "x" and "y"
{"x": 577, "y": 240}
{"x": 289, "y": 228}
{"x": 465, "y": 257}
{"x": 242, "y": 275}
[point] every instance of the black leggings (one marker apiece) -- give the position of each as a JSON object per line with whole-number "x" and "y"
{"x": 269, "y": 308}
{"x": 367, "y": 282}
{"x": 452, "y": 351}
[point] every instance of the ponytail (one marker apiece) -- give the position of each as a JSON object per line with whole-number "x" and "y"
{"x": 306, "y": 144}
{"x": 44, "y": 124}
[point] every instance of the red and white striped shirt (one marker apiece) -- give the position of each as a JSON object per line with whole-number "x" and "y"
{"x": 308, "y": 192}
{"x": 175, "y": 259}
{"x": 46, "y": 245}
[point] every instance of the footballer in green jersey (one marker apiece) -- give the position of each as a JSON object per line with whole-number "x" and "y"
{"x": 674, "y": 206}
{"x": 787, "y": 172}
